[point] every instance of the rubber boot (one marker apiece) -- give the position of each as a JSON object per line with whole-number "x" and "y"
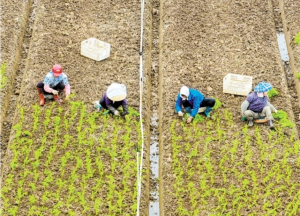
{"x": 271, "y": 125}
{"x": 207, "y": 111}
{"x": 41, "y": 96}
{"x": 56, "y": 98}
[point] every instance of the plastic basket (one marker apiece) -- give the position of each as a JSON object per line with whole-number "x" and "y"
{"x": 237, "y": 84}
{"x": 95, "y": 49}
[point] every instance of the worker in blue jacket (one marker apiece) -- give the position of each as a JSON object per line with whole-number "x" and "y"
{"x": 193, "y": 102}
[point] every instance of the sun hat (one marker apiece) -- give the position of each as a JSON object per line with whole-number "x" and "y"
{"x": 116, "y": 92}
{"x": 263, "y": 87}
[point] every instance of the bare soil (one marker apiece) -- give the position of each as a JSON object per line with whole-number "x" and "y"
{"x": 202, "y": 42}
{"x": 14, "y": 16}
{"x": 58, "y": 30}
{"x": 193, "y": 43}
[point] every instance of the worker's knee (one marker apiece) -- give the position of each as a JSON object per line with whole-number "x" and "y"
{"x": 267, "y": 109}
{"x": 60, "y": 86}
{"x": 248, "y": 114}
{"x": 40, "y": 85}
{"x": 208, "y": 102}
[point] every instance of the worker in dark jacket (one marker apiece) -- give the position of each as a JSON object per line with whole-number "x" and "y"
{"x": 193, "y": 102}
{"x": 113, "y": 98}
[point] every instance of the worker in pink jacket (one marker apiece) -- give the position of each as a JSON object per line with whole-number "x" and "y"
{"x": 54, "y": 82}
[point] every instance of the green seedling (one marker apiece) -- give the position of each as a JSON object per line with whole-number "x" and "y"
{"x": 218, "y": 104}
{"x": 198, "y": 118}
{"x": 283, "y": 119}
{"x": 298, "y": 75}
{"x": 2, "y": 77}
{"x": 133, "y": 112}
{"x": 272, "y": 93}
{"x": 280, "y": 114}
{"x": 106, "y": 112}
{"x": 72, "y": 95}
{"x": 286, "y": 123}
{"x": 297, "y": 38}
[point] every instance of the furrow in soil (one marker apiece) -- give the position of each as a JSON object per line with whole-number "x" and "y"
{"x": 17, "y": 80}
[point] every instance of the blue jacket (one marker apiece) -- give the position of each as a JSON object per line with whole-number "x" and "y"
{"x": 195, "y": 99}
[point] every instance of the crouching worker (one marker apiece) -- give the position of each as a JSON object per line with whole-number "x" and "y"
{"x": 194, "y": 102}
{"x": 54, "y": 82}
{"x": 113, "y": 98}
{"x": 257, "y": 106}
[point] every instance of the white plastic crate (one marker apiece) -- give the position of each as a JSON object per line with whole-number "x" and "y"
{"x": 95, "y": 49}
{"x": 237, "y": 84}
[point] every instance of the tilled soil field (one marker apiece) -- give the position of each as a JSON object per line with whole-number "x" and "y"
{"x": 13, "y": 50}
{"x": 291, "y": 10}
{"x": 68, "y": 159}
{"x": 289, "y": 13}
{"x": 35, "y": 158}
{"x": 202, "y": 42}
{"x": 12, "y": 29}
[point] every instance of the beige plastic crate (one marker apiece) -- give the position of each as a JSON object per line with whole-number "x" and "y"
{"x": 95, "y": 49}
{"x": 237, "y": 84}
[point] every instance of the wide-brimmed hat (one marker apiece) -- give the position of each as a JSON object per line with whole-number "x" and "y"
{"x": 263, "y": 87}
{"x": 116, "y": 92}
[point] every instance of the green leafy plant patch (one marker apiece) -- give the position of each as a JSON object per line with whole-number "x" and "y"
{"x": 227, "y": 170}
{"x": 297, "y": 38}
{"x": 218, "y": 104}
{"x": 282, "y": 116}
{"x": 80, "y": 162}
{"x": 2, "y": 77}
{"x": 272, "y": 93}
{"x": 298, "y": 75}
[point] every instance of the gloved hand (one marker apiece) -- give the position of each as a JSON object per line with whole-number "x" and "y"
{"x": 180, "y": 113}
{"x": 116, "y": 113}
{"x": 244, "y": 118}
{"x": 275, "y": 111}
{"x": 124, "y": 113}
{"x": 125, "y": 110}
{"x": 54, "y": 92}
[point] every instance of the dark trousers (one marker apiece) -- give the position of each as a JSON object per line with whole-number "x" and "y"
{"x": 207, "y": 102}
{"x": 115, "y": 105}
{"x": 59, "y": 87}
